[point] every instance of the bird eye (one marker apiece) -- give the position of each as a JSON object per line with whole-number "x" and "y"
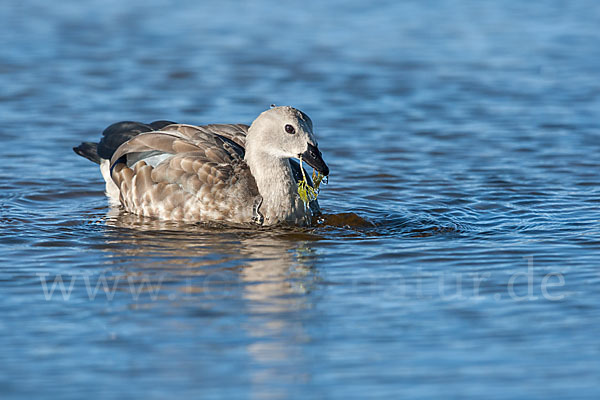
{"x": 290, "y": 129}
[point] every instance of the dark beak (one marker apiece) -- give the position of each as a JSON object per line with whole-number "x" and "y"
{"x": 314, "y": 158}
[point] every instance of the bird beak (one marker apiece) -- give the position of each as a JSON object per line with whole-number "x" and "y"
{"x": 314, "y": 158}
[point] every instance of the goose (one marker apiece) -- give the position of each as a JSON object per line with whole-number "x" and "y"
{"x": 224, "y": 173}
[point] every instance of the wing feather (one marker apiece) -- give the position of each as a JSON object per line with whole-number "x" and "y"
{"x": 153, "y": 143}
{"x": 201, "y": 171}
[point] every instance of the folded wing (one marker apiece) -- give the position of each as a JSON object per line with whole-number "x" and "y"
{"x": 186, "y": 172}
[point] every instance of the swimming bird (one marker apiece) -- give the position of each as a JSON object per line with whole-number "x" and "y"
{"x": 227, "y": 173}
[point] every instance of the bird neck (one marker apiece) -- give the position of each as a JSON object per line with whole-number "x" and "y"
{"x": 276, "y": 185}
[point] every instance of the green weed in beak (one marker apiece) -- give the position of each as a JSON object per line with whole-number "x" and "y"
{"x": 307, "y": 192}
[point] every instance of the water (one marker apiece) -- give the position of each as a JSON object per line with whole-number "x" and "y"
{"x": 465, "y": 132}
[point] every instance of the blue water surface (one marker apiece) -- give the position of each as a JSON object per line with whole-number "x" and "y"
{"x": 461, "y": 250}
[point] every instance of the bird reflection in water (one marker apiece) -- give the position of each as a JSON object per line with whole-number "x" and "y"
{"x": 265, "y": 278}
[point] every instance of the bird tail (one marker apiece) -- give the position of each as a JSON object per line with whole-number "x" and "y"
{"x": 88, "y": 150}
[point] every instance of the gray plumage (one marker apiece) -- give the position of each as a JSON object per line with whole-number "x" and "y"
{"x": 230, "y": 173}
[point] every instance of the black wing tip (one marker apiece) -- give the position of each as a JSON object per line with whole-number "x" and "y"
{"x": 158, "y": 125}
{"x": 126, "y": 126}
{"x": 120, "y": 132}
{"x": 88, "y": 150}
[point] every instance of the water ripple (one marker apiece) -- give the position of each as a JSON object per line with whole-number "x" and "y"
{"x": 458, "y": 251}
